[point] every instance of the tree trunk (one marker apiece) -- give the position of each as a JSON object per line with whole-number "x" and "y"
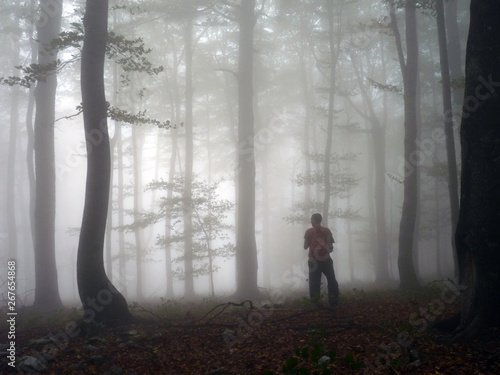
{"x": 331, "y": 108}
{"x": 448, "y": 126}
{"x": 11, "y": 164}
{"x": 378, "y": 149}
{"x": 100, "y": 299}
{"x": 175, "y": 108}
{"x": 409, "y": 69}
{"x": 246, "y": 248}
{"x": 30, "y": 141}
{"x": 454, "y": 47}
{"x": 188, "y": 173}
{"x": 168, "y": 221}
{"x": 109, "y": 225}
{"x": 137, "y": 144}
{"x": 478, "y": 230}
{"x": 307, "y": 100}
{"x": 47, "y": 290}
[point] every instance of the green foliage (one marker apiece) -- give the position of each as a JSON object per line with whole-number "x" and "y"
{"x": 393, "y": 89}
{"x": 210, "y": 231}
{"x": 139, "y": 118}
{"x": 130, "y": 54}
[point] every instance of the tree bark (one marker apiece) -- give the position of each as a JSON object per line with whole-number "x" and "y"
{"x": 246, "y": 247}
{"x": 188, "y": 172}
{"x": 137, "y": 145}
{"x": 409, "y": 68}
{"x": 11, "y": 164}
{"x": 454, "y": 47}
{"x": 100, "y": 299}
{"x": 331, "y": 108}
{"x": 378, "y": 148}
{"x": 448, "y": 125}
{"x": 47, "y": 289}
{"x": 478, "y": 230}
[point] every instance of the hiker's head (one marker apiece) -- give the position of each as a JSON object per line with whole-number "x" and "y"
{"x": 316, "y": 219}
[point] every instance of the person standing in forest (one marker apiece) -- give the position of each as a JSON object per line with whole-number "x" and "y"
{"x": 319, "y": 240}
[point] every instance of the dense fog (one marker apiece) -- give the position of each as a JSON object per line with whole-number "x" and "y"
{"x": 319, "y": 71}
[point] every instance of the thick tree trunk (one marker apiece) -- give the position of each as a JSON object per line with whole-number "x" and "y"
{"x": 478, "y": 231}
{"x": 100, "y": 299}
{"x": 448, "y": 125}
{"x": 246, "y": 247}
{"x": 47, "y": 289}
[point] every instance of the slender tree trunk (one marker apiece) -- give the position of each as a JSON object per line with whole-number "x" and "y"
{"x": 30, "y": 141}
{"x": 454, "y": 48}
{"x": 409, "y": 69}
{"x": 168, "y": 220}
{"x": 29, "y": 160}
{"x": 175, "y": 108}
{"x": 188, "y": 173}
{"x": 109, "y": 225}
{"x": 439, "y": 270}
{"x": 100, "y": 299}
{"x": 378, "y": 149}
{"x": 137, "y": 145}
{"x": 350, "y": 249}
{"x": 331, "y": 108}
{"x": 11, "y": 163}
{"x": 209, "y": 211}
{"x": 448, "y": 126}
{"x": 267, "y": 223}
{"x": 47, "y": 289}
{"x": 307, "y": 122}
{"x": 246, "y": 247}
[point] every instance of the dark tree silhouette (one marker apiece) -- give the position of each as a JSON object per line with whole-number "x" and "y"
{"x": 409, "y": 68}
{"x": 100, "y": 299}
{"x": 478, "y": 232}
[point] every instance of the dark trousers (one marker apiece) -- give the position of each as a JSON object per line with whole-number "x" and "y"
{"x": 316, "y": 269}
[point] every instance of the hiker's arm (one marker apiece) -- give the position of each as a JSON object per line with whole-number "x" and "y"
{"x": 307, "y": 241}
{"x": 331, "y": 241}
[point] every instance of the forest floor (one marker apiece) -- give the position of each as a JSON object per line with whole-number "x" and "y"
{"x": 368, "y": 333}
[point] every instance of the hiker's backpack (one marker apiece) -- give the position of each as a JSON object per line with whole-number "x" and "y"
{"x": 319, "y": 242}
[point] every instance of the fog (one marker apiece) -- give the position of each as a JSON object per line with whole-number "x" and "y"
{"x": 294, "y": 104}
